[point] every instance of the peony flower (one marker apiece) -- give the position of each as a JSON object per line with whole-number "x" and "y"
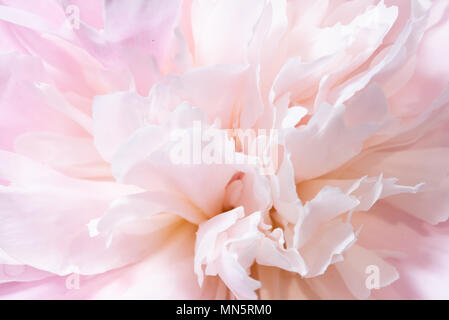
{"x": 199, "y": 149}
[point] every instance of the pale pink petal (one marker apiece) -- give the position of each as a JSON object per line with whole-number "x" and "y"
{"x": 29, "y": 206}
{"x": 73, "y": 156}
{"x": 329, "y": 139}
{"x": 223, "y": 24}
{"x": 115, "y": 118}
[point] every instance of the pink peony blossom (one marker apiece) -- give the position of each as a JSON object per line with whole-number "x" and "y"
{"x": 324, "y": 174}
